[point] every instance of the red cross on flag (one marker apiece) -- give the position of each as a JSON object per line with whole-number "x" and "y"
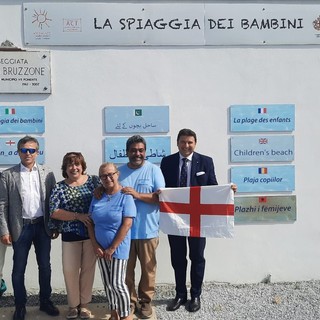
{"x": 10, "y": 143}
{"x": 206, "y": 211}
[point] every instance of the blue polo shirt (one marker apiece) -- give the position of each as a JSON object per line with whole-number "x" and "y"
{"x": 146, "y": 179}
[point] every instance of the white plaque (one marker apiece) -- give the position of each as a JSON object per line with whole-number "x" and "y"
{"x": 25, "y": 72}
{"x": 157, "y": 24}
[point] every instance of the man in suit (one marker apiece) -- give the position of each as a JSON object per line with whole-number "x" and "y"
{"x": 24, "y": 211}
{"x": 199, "y": 172}
{"x": 3, "y": 249}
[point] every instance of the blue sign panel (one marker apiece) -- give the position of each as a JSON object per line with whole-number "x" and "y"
{"x": 9, "y": 153}
{"x": 277, "y": 117}
{"x": 115, "y": 149}
{"x": 136, "y": 119}
{"x": 261, "y": 179}
{"x": 262, "y": 148}
{"x": 22, "y": 119}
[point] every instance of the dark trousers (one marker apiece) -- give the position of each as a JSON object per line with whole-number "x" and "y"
{"x": 178, "y": 249}
{"x": 31, "y": 234}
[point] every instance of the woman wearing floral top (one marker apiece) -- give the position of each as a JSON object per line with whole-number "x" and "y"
{"x": 69, "y": 207}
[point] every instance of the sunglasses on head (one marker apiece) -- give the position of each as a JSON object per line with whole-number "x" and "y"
{"x": 30, "y": 150}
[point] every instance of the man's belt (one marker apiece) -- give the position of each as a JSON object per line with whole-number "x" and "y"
{"x": 33, "y": 221}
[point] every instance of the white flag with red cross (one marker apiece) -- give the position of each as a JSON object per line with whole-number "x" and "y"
{"x": 206, "y": 211}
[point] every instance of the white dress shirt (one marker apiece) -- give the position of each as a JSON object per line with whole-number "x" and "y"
{"x": 30, "y": 191}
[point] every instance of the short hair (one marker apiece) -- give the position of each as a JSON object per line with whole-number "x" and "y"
{"x": 27, "y": 139}
{"x": 135, "y": 139}
{"x": 187, "y": 132}
{"x": 71, "y": 158}
{"x": 105, "y": 164}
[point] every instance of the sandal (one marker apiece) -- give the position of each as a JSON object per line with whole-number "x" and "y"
{"x": 72, "y": 313}
{"x": 85, "y": 313}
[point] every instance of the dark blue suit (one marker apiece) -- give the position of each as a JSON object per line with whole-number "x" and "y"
{"x": 178, "y": 244}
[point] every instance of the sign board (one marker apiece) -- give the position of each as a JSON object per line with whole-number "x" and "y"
{"x": 261, "y": 24}
{"x": 262, "y": 148}
{"x": 277, "y": 117}
{"x": 136, "y": 119}
{"x": 9, "y": 154}
{"x": 113, "y": 24}
{"x": 157, "y": 148}
{"x": 22, "y": 119}
{"x": 265, "y": 209}
{"x": 25, "y": 72}
{"x": 263, "y": 178}
{"x": 145, "y": 24}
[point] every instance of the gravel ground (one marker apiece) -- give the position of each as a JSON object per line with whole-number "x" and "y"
{"x": 222, "y": 301}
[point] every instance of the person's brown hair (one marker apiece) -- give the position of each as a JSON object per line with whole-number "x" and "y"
{"x": 73, "y": 158}
{"x": 188, "y": 133}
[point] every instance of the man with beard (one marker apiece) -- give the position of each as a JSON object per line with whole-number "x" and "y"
{"x": 142, "y": 180}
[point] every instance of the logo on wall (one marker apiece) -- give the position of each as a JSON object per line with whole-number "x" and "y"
{"x": 41, "y": 18}
{"x": 72, "y": 25}
{"x": 316, "y": 24}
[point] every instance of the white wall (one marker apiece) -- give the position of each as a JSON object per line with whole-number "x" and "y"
{"x": 199, "y": 84}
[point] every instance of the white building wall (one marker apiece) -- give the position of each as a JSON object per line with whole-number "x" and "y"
{"x": 199, "y": 84}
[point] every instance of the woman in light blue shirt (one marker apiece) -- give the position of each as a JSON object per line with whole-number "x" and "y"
{"x": 112, "y": 217}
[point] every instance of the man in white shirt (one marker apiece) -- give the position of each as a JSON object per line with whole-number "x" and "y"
{"x": 24, "y": 211}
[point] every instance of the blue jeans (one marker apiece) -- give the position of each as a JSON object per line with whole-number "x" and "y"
{"x": 31, "y": 234}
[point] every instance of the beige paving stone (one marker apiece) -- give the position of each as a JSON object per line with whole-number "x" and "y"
{"x": 99, "y": 312}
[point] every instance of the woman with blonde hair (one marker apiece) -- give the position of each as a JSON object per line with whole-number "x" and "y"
{"x": 112, "y": 216}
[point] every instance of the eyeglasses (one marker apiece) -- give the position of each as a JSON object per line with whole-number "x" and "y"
{"x": 30, "y": 150}
{"x": 109, "y": 175}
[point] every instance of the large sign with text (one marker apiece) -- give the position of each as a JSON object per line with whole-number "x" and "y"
{"x": 9, "y": 153}
{"x": 263, "y": 178}
{"x": 277, "y": 117}
{"x": 261, "y": 24}
{"x": 262, "y": 148}
{"x": 113, "y": 24}
{"x": 25, "y": 72}
{"x": 18, "y": 119}
{"x": 142, "y": 24}
{"x": 157, "y": 148}
{"x": 136, "y": 119}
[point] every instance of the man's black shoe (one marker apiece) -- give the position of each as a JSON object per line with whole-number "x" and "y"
{"x": 176, "y": 303}
{"x": 19, "y": 313}
{"x": 48, "y": 307}
{"x": 194, "y": 304}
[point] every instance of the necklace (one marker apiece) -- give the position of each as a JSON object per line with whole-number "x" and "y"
{"x": 110, "y": 196}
